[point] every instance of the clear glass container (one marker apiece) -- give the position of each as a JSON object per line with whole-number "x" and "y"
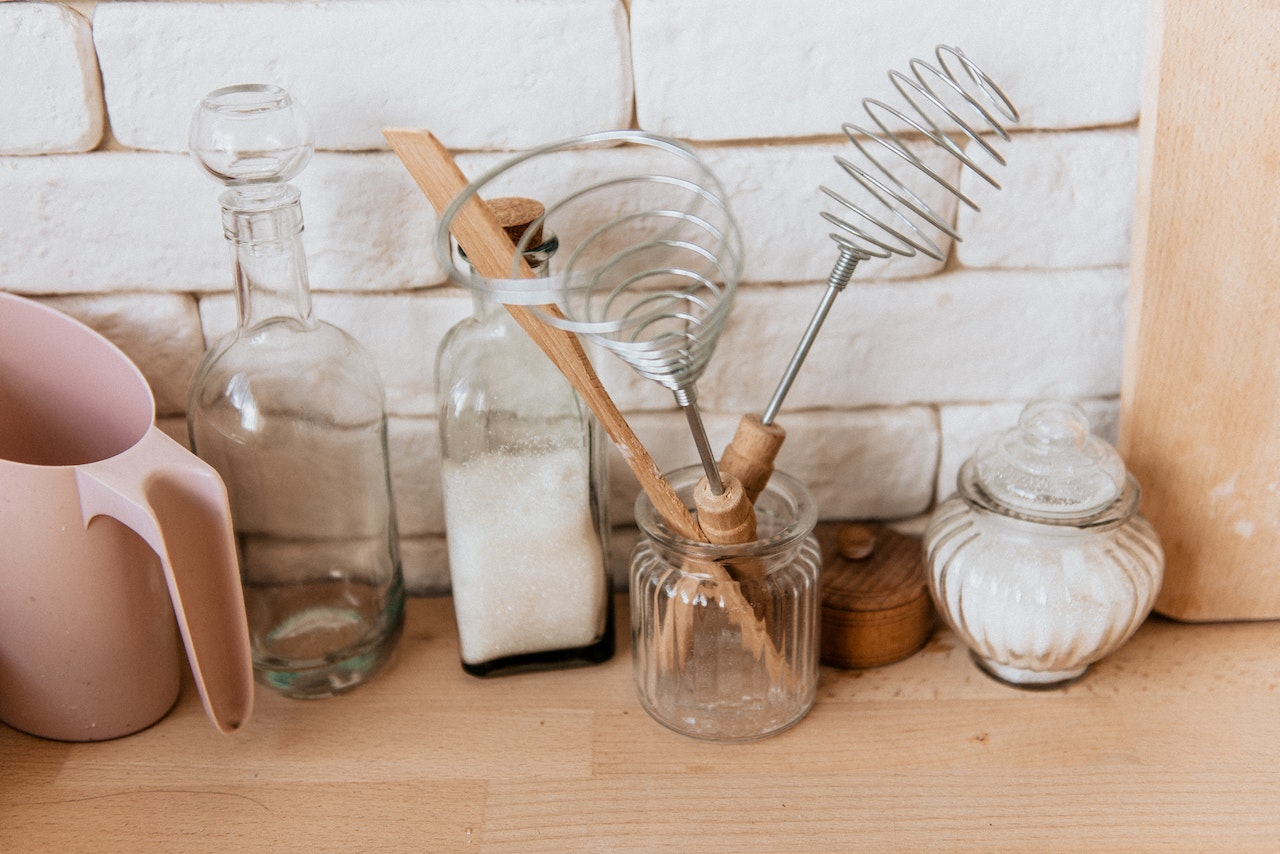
{"x": 1041, "y": 562}
{"x": 525, "y": 487}
{"x": 290, "y": 411}
{"x": 725, "y": 638}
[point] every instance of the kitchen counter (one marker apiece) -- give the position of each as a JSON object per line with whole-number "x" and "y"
{"x": 1171, "y": 743}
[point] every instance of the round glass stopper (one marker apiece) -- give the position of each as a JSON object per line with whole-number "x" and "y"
{"x": 251, "y": 137}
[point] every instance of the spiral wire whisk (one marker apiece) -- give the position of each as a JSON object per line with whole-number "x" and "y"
{"x": 648, "y": 264}
{"x": 892, "y": 218}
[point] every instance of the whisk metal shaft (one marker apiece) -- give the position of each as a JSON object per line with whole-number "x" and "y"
{"x": 705, "y": 454}
{"x": 836, "y": 282}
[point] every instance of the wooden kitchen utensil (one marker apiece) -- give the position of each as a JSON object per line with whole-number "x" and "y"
{"x": 1200, "y": 400}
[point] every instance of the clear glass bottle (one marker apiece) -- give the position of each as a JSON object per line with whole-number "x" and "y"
{"x": 1041, "y": 562}
{"x": 725, "y": 638}
{"x": 290, "y": 411}
{"x": 525, "y": 483}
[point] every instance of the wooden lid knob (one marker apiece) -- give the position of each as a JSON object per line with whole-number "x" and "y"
{"x": 875, "y": 598}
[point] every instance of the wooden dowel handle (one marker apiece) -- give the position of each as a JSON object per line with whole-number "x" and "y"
{"x": 728, "y": 518}
{"x": 749, "y": 457}
{"x": 490, "y": 250}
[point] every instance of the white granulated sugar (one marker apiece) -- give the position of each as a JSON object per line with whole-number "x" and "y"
{"x": 524, "y": 557}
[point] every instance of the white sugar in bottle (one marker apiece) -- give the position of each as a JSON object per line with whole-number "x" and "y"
{"x": 525, "y": 488}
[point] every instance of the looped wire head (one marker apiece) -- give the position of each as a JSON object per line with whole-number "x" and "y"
{"x": 903, "y": 203}
{"x": 650, "y": 254}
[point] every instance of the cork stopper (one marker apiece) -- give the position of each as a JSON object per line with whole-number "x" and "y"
{"x": 515, "y": 214}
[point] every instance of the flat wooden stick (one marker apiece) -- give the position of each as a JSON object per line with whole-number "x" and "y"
{"x": 491, "y": 251}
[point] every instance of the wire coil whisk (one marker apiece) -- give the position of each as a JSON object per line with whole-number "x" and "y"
{"x": 891, "y": 215}
{"x": 649, "y": 256}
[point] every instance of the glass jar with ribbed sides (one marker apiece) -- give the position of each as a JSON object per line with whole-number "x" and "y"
{"x": 725, "y": 637}
{"x": 1040, "y": 562}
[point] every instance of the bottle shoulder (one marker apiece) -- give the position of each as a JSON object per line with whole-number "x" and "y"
{"x": 319, "y": 365}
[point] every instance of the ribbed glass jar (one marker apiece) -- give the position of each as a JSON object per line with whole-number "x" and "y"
{"x": 725, "y": 638}
{"x": 1041, "y": 562}
{"x": 1037, "y": 607}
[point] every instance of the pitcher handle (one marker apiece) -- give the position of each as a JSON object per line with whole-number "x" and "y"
{"x": 178, "y": 504}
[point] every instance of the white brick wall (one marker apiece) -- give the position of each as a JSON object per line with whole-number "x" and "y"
{"x": 484, "y": 74}
{"x": 50, "y": 97}
{"x": 918, "y": 361}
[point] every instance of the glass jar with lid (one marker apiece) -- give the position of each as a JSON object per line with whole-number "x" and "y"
{"x": 1041, "y": 562}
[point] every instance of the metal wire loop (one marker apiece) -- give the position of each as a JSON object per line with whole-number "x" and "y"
{"x": 892, "y": 217}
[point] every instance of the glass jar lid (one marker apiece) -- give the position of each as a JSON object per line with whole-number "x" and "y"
{"x": 1049, "y": 468}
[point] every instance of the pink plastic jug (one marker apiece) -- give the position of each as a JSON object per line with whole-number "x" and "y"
{"x": 108, "y": 531}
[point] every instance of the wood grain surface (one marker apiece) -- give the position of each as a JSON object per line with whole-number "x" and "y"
{"x": 1200, "y": 404}
{"x": 1171, "y": 744}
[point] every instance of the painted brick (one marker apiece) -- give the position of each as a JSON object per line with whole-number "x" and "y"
{"x": 146, "y": 221}
{"x": 400, "y": 331}
{"x": 414, "y": 448}
{"x": 864, "y": 464}
{"x": 965, "y": 426}
{"x": 743, "y": 69}
{"x": 112, "y": 220}
{"x": 106, "y": 221}
{"x": 368, "y": 226}
{"x": 992, "y": 335}
{"x": 775, "y": 195}
{"x": 51, "y": 99}
{"x": 874, "y": 463}
{"x": 1067, "y": 201}
{"x": 159, "y": 332}
{"x": 522, "y": 85}
{"x": 426, "y": 566}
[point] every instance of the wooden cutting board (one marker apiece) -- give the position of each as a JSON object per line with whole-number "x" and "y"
{"x": 1200, "y": 401}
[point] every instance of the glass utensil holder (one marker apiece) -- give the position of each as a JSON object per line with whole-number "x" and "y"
{"x": 725, "y": 638}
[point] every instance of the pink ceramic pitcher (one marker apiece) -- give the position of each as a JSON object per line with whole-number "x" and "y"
{"x": 108, "y": 530}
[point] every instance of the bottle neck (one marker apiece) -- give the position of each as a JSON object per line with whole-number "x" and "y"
{"x": 268, "y": 262}
{"x": 539, "y": 260}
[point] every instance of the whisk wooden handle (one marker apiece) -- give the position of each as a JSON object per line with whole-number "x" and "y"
{"x": 490, "y": 250}
{"x": 729, "y": 519}
{"x": 749, "y": 457}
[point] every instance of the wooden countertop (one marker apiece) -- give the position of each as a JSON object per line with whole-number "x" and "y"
{"x": 1171, "y": 744}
